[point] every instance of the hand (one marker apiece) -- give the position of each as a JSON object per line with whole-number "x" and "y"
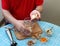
{"x": 35, "y": 15}
{"x": 20, "y": 27}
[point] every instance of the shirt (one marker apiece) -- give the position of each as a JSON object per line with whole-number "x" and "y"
{"x": 20, "y": 9}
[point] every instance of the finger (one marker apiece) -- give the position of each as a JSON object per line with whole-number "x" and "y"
{"x": 26, "y": 32}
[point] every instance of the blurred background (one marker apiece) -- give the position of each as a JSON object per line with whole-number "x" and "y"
{"x": 1, "y": 17}
{"x": 51, "y": 11}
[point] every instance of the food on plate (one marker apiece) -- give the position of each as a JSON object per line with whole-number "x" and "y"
{"x": 49, "y": 32}
{"x": 43, "y": 40}
{"x": 30, "y": 43}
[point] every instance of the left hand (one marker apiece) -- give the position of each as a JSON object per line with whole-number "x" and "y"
{"x": 35, "y": 15}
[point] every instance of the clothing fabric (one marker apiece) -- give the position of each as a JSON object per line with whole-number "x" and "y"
{"x": 20, "y": 9}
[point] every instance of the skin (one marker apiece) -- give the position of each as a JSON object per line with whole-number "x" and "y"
{"x": 17, "y": 23}
{"x": 39, "y": 8}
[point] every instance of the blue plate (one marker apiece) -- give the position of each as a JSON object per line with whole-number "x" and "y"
{"x": 54, "y": 40}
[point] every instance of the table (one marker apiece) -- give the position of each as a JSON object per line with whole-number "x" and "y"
{"x": 53, "y": 41}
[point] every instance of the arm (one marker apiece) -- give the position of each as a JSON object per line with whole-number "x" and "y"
{"x": 36, "y": 14}
{"x": 18, "y": 24}
{"x": 39, "y": 8}
{"x": 8, "y": 16}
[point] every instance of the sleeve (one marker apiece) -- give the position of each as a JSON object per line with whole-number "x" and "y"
{"x": 5, "y": 4}
{"x": 39, "y": 2}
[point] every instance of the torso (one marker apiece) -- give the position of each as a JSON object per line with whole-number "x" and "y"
{"x": 21, "y": 9}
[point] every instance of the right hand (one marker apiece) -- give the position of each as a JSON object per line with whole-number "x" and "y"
{"x": 20, "y": 27}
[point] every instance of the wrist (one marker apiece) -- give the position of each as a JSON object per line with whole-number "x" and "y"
{"x": 37, "y": 11}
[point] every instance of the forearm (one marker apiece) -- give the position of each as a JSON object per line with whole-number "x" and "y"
{"x": 8, "y": 16}
{"x": 39, "y": 8}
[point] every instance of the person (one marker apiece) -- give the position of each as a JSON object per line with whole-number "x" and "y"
{"x": 16, "y": 10}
